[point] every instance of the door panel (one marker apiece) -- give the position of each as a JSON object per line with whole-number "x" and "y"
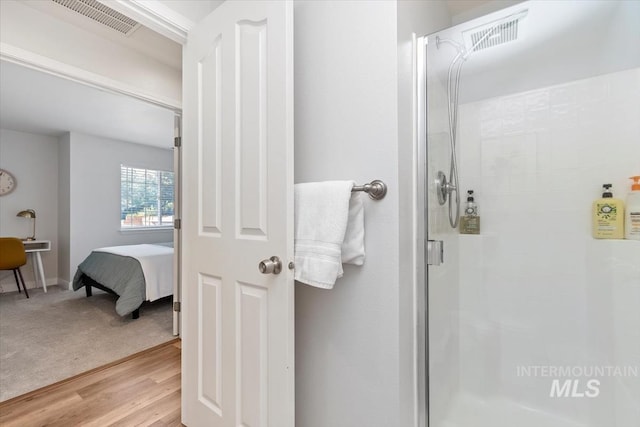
{"x": 252, "y": 354}
{"x": 238, "y": 146}
{"x": 210, "y": 137}
{"x": 251, "y": 110}
{"x": 209, "y": 342}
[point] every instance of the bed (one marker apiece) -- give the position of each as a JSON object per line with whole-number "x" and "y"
{"x": 135, "y": 273}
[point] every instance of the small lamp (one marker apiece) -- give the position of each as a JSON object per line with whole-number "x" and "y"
{"x": 29, "y": 213}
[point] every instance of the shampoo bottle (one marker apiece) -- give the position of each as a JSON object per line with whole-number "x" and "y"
{"x": 608, "y": 216}
{"x": 632, "y": 208}
{"x": 470, "y": 221}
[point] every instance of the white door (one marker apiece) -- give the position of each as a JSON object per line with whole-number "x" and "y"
{"x": 237, "y": 347}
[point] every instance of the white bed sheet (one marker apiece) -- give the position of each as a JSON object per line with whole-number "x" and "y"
{"x": 157, "y": 266}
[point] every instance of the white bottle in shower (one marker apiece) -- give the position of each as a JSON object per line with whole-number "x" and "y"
{"x": 632, "y": 214}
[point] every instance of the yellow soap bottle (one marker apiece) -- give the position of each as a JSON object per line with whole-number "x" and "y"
{"x": 608, "y": 216}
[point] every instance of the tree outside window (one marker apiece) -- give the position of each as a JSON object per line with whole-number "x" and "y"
{"x": 146, "y": 198}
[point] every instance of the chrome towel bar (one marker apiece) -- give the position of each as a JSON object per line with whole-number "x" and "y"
{"x": 375, "y": 189}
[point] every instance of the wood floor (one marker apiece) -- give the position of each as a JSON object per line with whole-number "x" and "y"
{"x": 140, "y": 390}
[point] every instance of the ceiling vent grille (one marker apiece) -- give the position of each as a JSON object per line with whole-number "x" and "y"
{"x": 101, "y": 14}
{"x": 498, "y": 34}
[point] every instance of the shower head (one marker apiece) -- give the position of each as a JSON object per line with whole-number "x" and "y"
{"x": 493, "y": 34}
{"x": 459, "y": 47}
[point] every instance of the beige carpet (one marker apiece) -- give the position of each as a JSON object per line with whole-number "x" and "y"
{"x": 52, "y": 336}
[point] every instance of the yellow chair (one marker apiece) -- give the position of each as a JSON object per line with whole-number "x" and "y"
{"x": 12, "y": 257}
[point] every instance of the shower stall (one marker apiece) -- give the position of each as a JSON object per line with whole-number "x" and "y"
{"x": 531, "y": 322}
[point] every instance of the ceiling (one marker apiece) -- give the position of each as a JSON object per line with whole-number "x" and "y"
{"x": 142, "y": 39}
{"x": 459, "y": 6}
{"x": 37, "y": 102}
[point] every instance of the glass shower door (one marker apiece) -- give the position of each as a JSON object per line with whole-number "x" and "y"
{"x": 533, "y": 322}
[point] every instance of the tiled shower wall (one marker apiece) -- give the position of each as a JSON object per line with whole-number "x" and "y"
{"x": 535, "y": 287}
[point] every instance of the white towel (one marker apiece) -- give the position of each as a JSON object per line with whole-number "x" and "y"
{"x": 321, "y": 217}
{"x": 353, "y": 244}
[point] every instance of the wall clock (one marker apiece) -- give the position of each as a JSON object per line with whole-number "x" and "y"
{"x": 7, "y": 182}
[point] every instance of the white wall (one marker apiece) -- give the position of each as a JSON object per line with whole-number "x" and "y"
{"x": 356, "y": 344}
{"x": 535, "y": 288}
{"x": 480, "y": 10}
{"x": 73, "y": 184}
{"x": 346, "y": 128}
{"x": 33, "y": 161}
{"x": 94, "y": 195}
{"x": 78, "y": 47}
{"x": 64, "y": 207}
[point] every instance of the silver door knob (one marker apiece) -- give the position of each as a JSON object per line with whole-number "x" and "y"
{"x": 272, "y": 265}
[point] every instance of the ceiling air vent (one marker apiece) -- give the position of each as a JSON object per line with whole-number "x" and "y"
{"x": 101, "y": 14}
{"x": 491, "y": 35}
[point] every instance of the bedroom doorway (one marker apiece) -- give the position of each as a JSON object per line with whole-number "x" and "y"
{"x": 34, "y": 152}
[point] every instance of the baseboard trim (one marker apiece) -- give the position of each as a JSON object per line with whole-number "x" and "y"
{"x": 65, "y": 284}
{"x": 48, "y": 388}
{"x": 10, "y": 285}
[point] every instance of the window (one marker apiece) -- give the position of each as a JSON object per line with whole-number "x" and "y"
{"x": 146, "y": 198}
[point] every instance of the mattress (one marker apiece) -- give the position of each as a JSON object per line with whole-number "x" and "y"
{"x": 136, "y": 273}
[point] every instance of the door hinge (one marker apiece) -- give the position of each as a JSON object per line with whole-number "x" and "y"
{"x": 176, "y": 306}
{"x": 177, "y": 223}
{"x": 177, "y": 141}
{"x": 435, "y": 252}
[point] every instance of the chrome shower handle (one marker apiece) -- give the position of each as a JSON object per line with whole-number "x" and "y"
{"x": 443, "y": 188}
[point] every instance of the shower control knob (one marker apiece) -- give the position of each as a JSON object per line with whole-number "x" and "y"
{"x": 272, "y": 265}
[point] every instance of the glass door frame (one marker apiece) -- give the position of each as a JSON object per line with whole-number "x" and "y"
{"x": 422, "y": 294}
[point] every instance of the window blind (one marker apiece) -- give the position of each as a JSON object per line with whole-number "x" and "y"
{"x": 146, "y": 197}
